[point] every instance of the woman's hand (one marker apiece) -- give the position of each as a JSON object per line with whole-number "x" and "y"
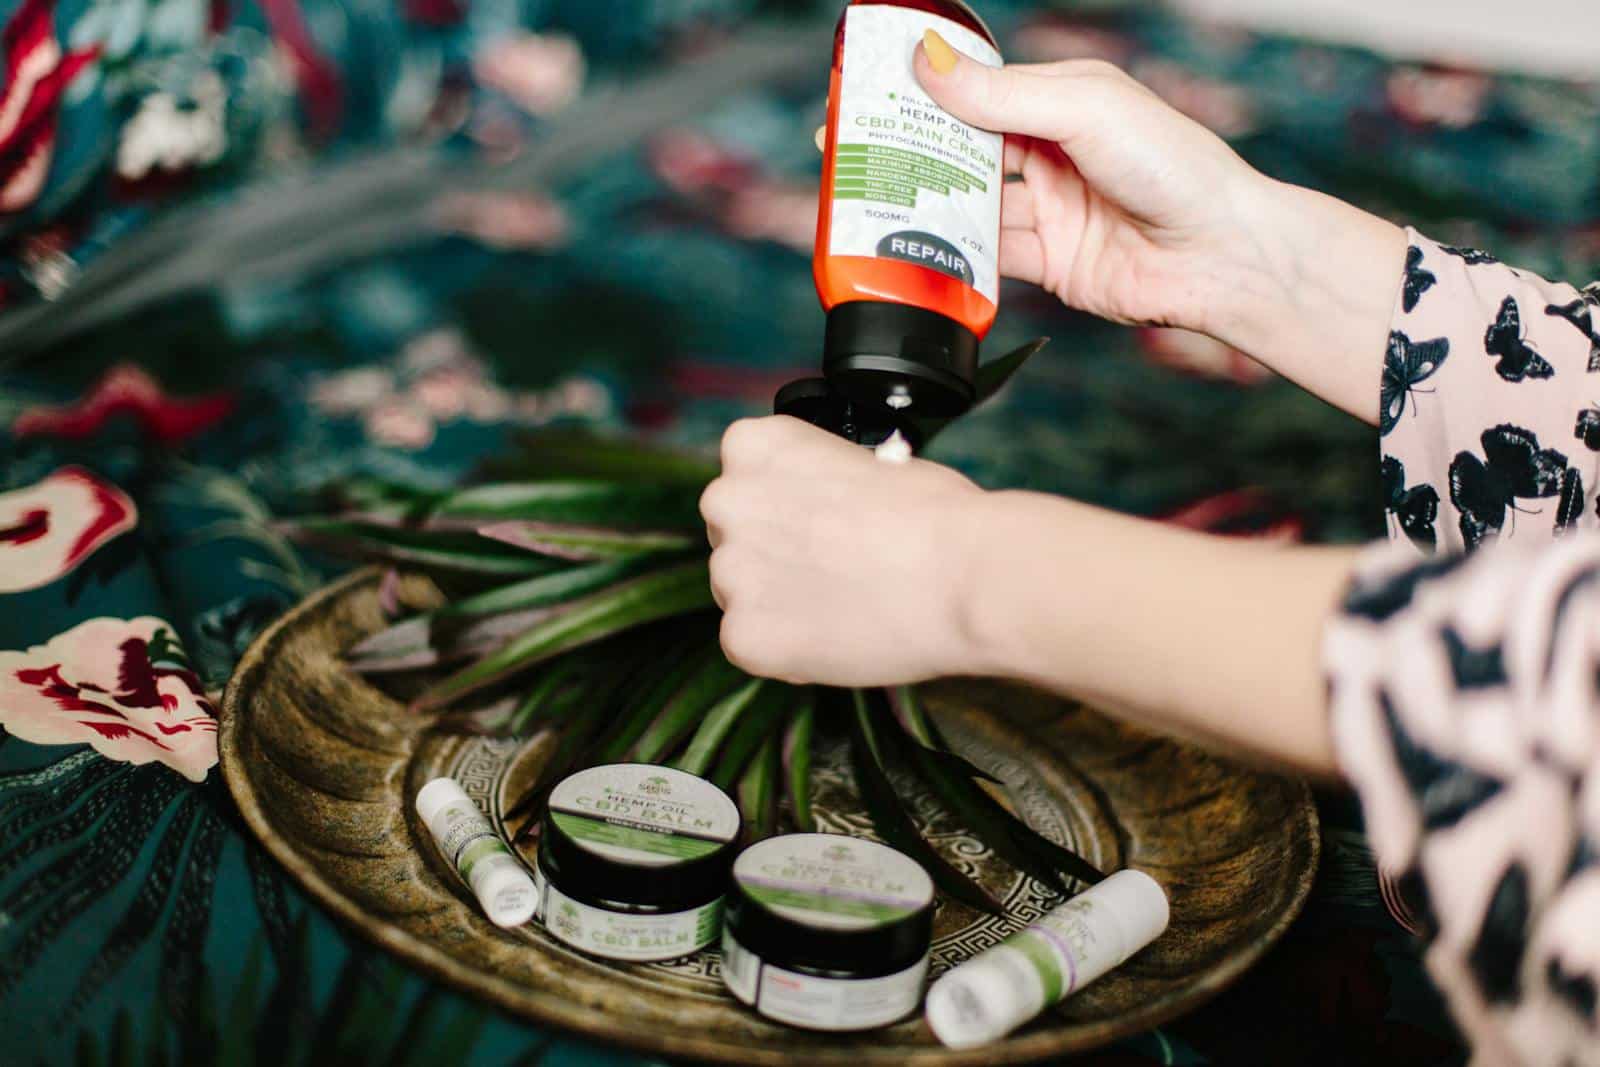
{"x": 1131, "y": 211}
{"x": 837, "y": 568}
{"x": 1126, "y": 208}
{"x": 832, "y": 566}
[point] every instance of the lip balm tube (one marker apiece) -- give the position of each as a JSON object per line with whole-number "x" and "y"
{"x": 503, "y": 887}
{"x": 992, "y": 994}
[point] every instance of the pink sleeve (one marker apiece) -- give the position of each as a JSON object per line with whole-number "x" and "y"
{"x": 1464, "y": 698}
{"x": 1490, "y": 405}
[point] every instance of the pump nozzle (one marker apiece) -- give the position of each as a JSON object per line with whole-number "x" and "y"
{"x": 816, "y": 401}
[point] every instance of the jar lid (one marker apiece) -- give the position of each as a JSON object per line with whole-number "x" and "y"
{"x": 827, "y": 902}
{"x": 638, "y": 835}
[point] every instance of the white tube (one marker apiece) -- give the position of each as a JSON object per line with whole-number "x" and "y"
{"x": 992, "y": 994}
{"x": 470, "y": 844}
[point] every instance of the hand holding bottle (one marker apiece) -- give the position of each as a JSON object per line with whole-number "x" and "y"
{"x": 1129, "y": 210}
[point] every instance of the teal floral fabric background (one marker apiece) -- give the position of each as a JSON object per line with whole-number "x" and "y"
{"x": 255, "y": 251}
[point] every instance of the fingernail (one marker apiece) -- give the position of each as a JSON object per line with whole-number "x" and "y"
{"x": 821, "y": 138}
{"x": 940, "y": 55}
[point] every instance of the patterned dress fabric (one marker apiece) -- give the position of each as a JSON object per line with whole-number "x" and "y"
{"x": 1465, "y": 695}
{"x": 208, "y": 323}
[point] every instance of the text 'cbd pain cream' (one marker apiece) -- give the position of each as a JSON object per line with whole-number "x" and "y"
{"x": 633, "y": 861}
{"x": 827, "y": 932}
{"x": 908, "y": 225}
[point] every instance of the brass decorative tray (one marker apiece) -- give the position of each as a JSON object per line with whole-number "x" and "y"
{"x": 323, "y": 766}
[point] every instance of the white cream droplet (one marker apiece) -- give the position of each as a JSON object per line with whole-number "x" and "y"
{"x": 894, "y": 449}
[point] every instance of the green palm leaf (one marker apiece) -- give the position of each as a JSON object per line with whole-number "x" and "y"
{"x": 662, "y": 594}
{"x": 585, "y": 543}
{"x": 870, "y": 756}
{"x": 597, "y": 503}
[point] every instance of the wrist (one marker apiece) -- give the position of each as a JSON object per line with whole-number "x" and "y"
{"x": 1309, "y": 290}
{"x": 975, "y": 580}
{"x": 1010, "y": 556}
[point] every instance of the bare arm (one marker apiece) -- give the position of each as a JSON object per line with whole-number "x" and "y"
{"x": 836, "y": 568}
{"x": 1214, "y": 639}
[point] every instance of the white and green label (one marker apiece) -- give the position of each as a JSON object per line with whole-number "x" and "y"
{"x": 833, "y": 881}
{"x": 646, "y": 815}
{"x": 622, "y": 936}
{"x": 910, "y": 182}
{"x": 467, "y": 838}
{"x": 820, "y": 1003}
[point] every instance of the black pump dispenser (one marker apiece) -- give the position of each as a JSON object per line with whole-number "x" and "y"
{"x": 884, "y": 364}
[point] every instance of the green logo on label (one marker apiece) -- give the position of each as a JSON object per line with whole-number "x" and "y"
{"x": 655, "y": 785}
{"x": 566, "y": 919}
{"x": 839, "y": 854}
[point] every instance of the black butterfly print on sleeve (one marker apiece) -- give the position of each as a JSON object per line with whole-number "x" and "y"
{"x": 1518, "y": 360}
{"x": 1414, "y": 508}
{"x": 1588, "y": 428}
{"x": 1571, "y": 507}
{"x": 1578, "y": 314}
{"x": 1471, "y": 256}
{"x": 1418, "y": 281}
{"x": 1513, "y": 466}
{"x": 1406, "y": 363}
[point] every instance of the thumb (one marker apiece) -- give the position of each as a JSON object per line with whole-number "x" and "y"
{"x": 1052, "y": 106}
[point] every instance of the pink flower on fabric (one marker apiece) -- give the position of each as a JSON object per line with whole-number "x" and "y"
{"x": 121, "y": 685}
{"x": 1051, "y": 38}
{"x": 503, "y": 220}
{"x": 36, "y": 74}
{"x": 1452, "y": 99}
{"x": 1195, "y": 353}
{"x": 1239, "y": 513}
{"x": 1226, "y": 109}
{"x": 316, "y": 77}
{"x": 48, "y": 528}
{"x": 127, "y": 390}
{"x": 400, "y": 424}
{"x": 736, "y": 190}
{"x": 692, "y": 163}
{"x": 772, "y": 211}
{"x": 541, "y": 72}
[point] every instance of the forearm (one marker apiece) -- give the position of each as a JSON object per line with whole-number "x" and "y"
{"x": 1311, "y": 291}
{"x": 1211, "y": 638}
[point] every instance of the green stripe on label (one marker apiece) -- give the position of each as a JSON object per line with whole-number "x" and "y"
{"x": 802, "y": 900}
{"x": 656, "y": 842}
{"x": 710, "y": 922}
{"x": 1045, "y": 964}
{"x": 858, "y": 155}
{"x": 484, "y": 846}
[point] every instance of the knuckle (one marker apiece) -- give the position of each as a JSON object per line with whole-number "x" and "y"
{"x": 997, "y": 90}
{"x": 729, "y": 569}
{"x": 1099, "y": 68}
{"x": 741, "y": 644}
{"x": 744, "y": 443}
{"x": 714, "y": 502}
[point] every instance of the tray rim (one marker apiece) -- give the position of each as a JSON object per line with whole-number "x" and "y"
{"x": 550, "y": 1009}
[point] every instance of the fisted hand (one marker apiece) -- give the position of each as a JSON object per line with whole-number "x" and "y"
{"x": 834, "y": 567}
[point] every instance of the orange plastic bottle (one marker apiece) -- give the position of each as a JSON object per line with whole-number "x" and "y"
{"x": 908, "y": 217}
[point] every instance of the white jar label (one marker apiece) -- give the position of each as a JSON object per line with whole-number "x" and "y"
{"x": 833, "y": 881}
{"x": 910, "y": 182}
{"x": 641, "y": 814}
{"x": 821, "y": 1003}
{"x": 741, "y": 969}
{"x": 622, "y": 936}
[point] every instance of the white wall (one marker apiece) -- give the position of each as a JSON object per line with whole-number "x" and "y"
{"x": 1540, "y": 36}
